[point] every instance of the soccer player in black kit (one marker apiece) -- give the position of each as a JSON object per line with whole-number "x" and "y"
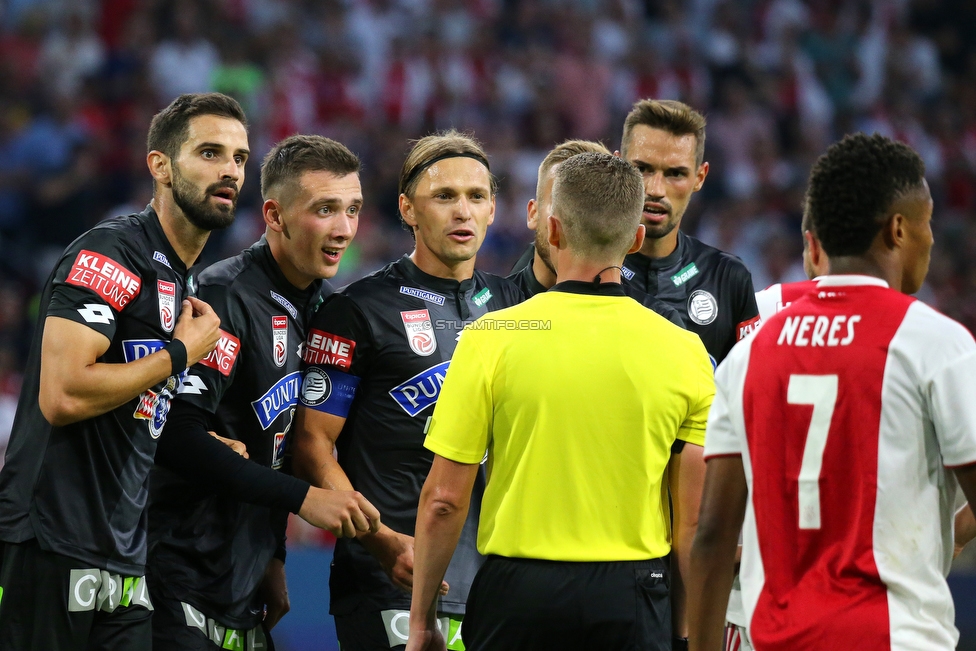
{"x": 216, "y": 563}
{"x": 117, "y": 330}
{"x": 712, "y": 290}
{"x": 377, "y": 353}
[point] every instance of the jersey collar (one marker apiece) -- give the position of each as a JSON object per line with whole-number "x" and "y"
{"x": 159, "y": 240}
{"x": 846, "y": 280}
{"x": 644, "y": 263}
{"x": 262, "y": 253}
{"x": 588, "y": 288}
{"x": 425, "y": 280}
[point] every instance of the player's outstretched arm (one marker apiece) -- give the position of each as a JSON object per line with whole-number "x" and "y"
{"x": 316, "y": 434}
{"x": 686, "y": 476}
{"x": 443, "y": 508}
{"x": 75, "y": 386}
{"x": 723, "y": 508}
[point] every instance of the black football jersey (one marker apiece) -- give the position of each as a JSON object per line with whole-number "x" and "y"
{"x": 81, "y": 489}
{"x": 209, "y": 549}
{"x": 377, "y": 353}
{"x": 523, "y": 276}
{"x": 711, "y": 290}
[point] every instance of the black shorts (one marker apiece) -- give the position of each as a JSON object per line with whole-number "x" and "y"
{"x": 178, "y": 626}
{"x": 382, "y": 630}
{"x": 532, "y": 605}
{"x": 56, "y": 603}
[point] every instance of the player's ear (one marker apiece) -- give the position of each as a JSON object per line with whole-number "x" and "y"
{"x": 160, "y": 167}
{"x": 406, "y": 211}
{"x": 532, "y": 215}
{"x": 638, "y": 239}
{"x": 893, "y": 231}
{"x": 700, "y": 176}
{"x": 554, "y": 232}
{"x": 271, "y": 210}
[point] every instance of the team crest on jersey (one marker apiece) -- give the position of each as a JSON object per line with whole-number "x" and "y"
{"x": 279, "y": 334}
{"x": 702, "y": 307}
{"x": 420, "y": 332}
{"x": 167, "y": 304}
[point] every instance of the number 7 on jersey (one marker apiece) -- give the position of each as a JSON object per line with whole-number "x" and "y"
{"x": 821, "y": 392}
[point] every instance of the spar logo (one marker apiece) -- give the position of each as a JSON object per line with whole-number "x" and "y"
{"x": 326, "y": 349}
{"x": 167, "y": 304}
{"x": 422, "y": 390}
{"x": 278, "y": 399}
{"x": 222, "y": 357}
{"x": 106, "y": 277}
{"x": 420, "y": 332}
{"x": 279, "y": 336}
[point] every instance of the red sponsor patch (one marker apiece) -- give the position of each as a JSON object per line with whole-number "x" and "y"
{"x": 106, "y": 277}
{"x": 222, "y": 357}
{"x": 746, "y": 327}
{"x": 325, "y": 348}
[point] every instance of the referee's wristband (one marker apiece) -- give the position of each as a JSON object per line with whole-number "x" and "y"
{"x": 679, "y": 644}
{"x": 177, "y": 356}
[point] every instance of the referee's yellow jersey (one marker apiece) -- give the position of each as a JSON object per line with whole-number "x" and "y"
{"x": 576, "y": 395}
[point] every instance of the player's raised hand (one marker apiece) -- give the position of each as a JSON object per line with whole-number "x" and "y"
{"x": 198, "y": 328}
{"x": 343, "y": 513}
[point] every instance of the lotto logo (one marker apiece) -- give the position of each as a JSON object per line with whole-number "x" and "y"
{"x": 222, "y": 357}
{"x": 94, "y": 313}
{"x": 106, "y": 277}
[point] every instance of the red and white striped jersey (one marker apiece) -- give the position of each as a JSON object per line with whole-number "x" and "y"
{"x": 847, "y": 409}
{"x": 775, "y": 297}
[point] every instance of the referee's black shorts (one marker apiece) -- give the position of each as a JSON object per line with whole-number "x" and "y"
{"x": 49, "y": 602}
{"x": 520, "y": 604}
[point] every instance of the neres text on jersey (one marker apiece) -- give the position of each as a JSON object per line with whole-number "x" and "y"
{"x": 811, "y": 330}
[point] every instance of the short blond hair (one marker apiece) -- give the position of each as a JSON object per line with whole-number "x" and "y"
{"x": 562, "y": 153}
{"x": 677, "y": 118}
{"x": 599, "y": 199}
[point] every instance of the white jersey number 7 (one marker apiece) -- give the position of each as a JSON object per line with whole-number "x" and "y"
{"x": 821, "y": 392}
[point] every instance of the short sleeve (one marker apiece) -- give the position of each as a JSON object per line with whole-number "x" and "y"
{"x": 206, "y": 381}
{"x": 462, "y": 420}
{"x": 338, "y": 351}
{"x": 94, "y": 282}
{"x": 692, "y": 430}
{"x": 951, "y": 391}
{"x": 721, "y": 436}
{"x": 747, "y": 314}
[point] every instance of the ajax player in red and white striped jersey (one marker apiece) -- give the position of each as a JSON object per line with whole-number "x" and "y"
{"x": 839, "y": 433}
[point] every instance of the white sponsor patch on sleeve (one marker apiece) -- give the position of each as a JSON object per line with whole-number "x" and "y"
{"x": 94, "y": 313}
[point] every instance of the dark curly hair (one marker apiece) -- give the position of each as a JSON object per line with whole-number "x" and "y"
{"x": 853, "y": 186}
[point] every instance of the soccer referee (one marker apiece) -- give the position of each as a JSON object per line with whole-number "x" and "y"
{"x": 577, "y": 414}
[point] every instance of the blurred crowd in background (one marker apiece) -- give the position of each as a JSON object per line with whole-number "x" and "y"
{"x": 777, "y": 79}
